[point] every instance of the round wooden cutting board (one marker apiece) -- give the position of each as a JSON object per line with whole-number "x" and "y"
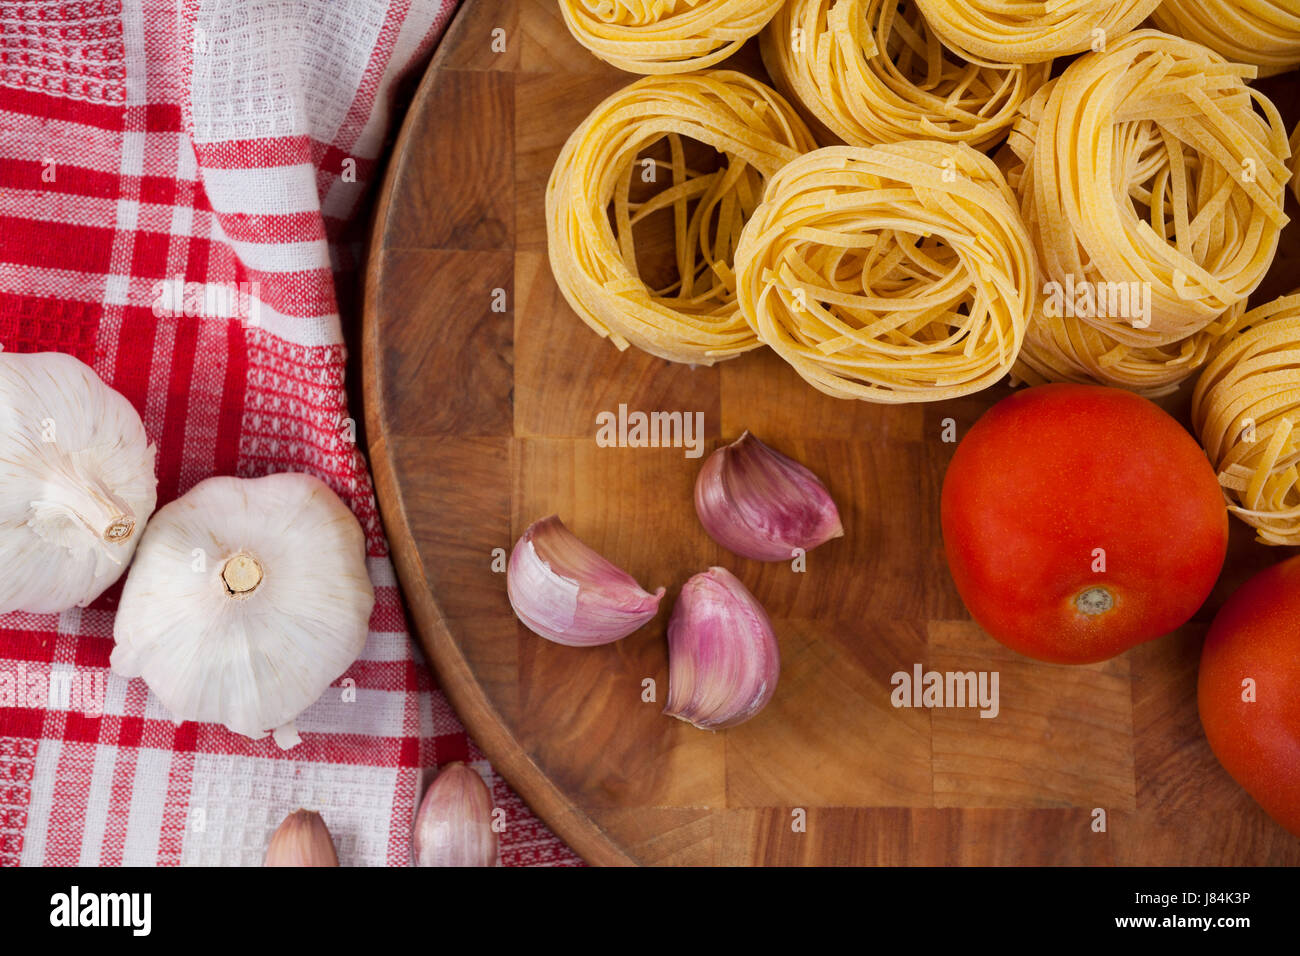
{"x": 482, "y": 390}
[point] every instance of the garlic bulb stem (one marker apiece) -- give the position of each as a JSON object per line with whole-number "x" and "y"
{"x": 119, "y": 529}
{"x": 73, "y": 498}
{"x": 241, "y": 574}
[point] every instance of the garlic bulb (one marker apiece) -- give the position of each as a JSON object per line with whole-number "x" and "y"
{"x": 247, "y": 598}
{"x": 454, "y": 824}
{"x": 723, "y": 660}
{"x": 76, "y": 482}
{"x": 755, "y": 501}
{"x": 301, "y": 840}
{"x": 567, "y": 593}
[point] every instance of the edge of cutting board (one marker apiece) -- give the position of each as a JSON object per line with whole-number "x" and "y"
{"x": 456, "y": 678}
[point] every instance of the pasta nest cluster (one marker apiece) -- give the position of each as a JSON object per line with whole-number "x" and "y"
{"x": 1150, "y": 173}
{"x": 871, "y": 73}
{"x": 893, "y": 273}
{"x": 591, "y": 216}
{"x": 1031, "y": 31}
{"x": 1265, "y": 33}
{"x": 1147, "y": 183}
{"x": 1246, "y": 410}
{"x": 665, "y": 36}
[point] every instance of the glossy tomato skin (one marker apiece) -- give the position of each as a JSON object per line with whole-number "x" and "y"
{"x": 1256, "y": 635}
{"x": 1057, "y": 479}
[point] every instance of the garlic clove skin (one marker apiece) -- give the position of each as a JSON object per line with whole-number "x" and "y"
{"x": 568, "y": 593}
{"x": 723, "y": 659}
{"x": 302, "y": 839}
{"x": 453, "y": 826}
{"x": 77, "y": 484}
{"x": 760, "y": 504}
{"x": 247, "y": 598}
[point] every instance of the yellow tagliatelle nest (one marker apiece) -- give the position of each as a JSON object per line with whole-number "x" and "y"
{"x": 1246, "y": 410}
{"x": 872, "y": 74}
{"x": 1295, "y": 161}
{"x": 590, "y": 215}
{"x": 893, "y": 273}
{"x": 1264, "y": 33}
{"x": 665, "y": 36}
{"x": 1061, "y": 349}
{"x": 1031, "y": 31}
{"x": 1152, "y": 179}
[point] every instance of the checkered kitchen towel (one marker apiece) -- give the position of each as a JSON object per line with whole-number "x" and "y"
{"x": 176, "y": 182}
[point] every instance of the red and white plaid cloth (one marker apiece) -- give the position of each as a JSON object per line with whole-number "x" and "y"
{"x": 218, "y": 142}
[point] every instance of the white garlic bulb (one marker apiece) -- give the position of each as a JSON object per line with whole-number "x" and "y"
{"x": 247, "y": 599}
{"x": 76, "y": 482}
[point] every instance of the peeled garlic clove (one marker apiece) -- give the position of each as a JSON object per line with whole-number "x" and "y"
{"x": 567, "y": 593}
{"x": 723, "y": 660}
{"x": 77, "y": 483}
{"x": 454, "y": 824}
{"x": 248, "y": 597}
{"x": 760, "y": 504}
{"x": 301, "y": 840}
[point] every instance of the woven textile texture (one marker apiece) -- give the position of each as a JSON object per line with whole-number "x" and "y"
{"x": 180, "y": 184}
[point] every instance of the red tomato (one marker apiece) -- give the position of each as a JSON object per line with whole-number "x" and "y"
{"x": 1079, "y": 521}
{"x": 1256, "y": 638}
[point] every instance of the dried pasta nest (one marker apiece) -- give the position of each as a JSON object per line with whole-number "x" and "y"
{"x": 590, "y": 214}
{"x": 1295, "y": 161}
{"x": 1264, "y": 33}
{"x": 1030, "y": 31}
{"x": 665, "y": 36}
{"x": 1149, "y": 175}
{"x": 1246, "y": 410}
{"x": 892, "y": 273}
{"x": 1059, "y": 349}
{"x": 872, "y": 73}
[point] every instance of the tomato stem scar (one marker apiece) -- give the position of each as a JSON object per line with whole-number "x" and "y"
{"x": 1094, "y": 601}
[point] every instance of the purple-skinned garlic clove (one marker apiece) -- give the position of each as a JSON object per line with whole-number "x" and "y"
{"x": 302, "y": 839}
{"x": 723, "y": 660}
{"x": 568, "y": 593}
{"x": 760, "y": 504}
{"x": 453, "y": 826}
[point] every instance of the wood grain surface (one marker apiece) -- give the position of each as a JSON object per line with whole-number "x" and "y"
{"x": 480, "y": 421}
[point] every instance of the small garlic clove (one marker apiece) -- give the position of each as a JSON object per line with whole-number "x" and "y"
{"x": 567, "y": 593}
{"x": 758, "y": 503}
{"x": 723, "y": 660}
{"x": 301, "y": 840}
{"x": 454, "y": 824}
